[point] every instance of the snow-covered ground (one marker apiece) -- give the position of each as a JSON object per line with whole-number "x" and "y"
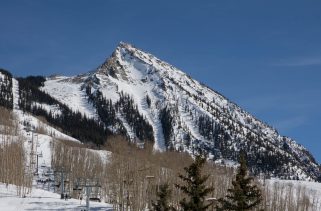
{"x": 42, "y": 200}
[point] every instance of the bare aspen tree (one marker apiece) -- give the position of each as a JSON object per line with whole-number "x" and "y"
{"x": 12, "y": 154}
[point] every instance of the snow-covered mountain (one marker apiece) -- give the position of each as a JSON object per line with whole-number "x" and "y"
{"x": 135, "y": 94}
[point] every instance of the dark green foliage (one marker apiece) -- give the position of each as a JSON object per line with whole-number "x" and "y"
{"x": 103, "y": 106}
{"x": 105, "y": 110}
{"x": 163, "y": 196}
{"x": 167, "y": 124}
{"x": 107, "y": 113}
{"x": 35, "y": 81}
{"x": 6, "y": 96}
{"x": 140, "y": 126}
{"x": 29, "y": 93}
{"x": 148, "y": 101}
{"x": 6, "y": 72}
{"x": 206, "y": 126}
{"x": 72, "y": 123}
{"x": 243, "y": 195}
{"x": 269, "y": 162}
{"x": 194, "y": 187}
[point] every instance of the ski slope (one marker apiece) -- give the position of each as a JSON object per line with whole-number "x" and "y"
{"x": 70, "y": 93}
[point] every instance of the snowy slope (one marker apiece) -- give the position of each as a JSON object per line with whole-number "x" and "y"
{"x": 15, "y": 93}
{"x": 70, "y": 93}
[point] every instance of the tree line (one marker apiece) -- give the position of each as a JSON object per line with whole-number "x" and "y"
{"x": 6, "y": 96}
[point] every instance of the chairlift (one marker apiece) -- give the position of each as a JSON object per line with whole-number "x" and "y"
{"x": 47, "y": 174}
{"x": 77, "y": 188}
{"x": 49, "y": 171}
{"x": 43, "y": 164}
{"x": 96, "y": 199}
{"x": 50, "y": 180}
{"x": 95, "y": 195}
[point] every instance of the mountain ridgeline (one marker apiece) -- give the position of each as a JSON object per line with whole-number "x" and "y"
{"x": 136, "y": 95}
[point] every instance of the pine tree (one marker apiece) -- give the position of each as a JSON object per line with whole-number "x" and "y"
{"x": 243, "y": 195}
{"x": 195, "y": 187}
{"x": 163, "y": 196}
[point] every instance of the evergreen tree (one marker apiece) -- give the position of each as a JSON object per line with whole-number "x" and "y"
{"x": 195, "y": 187}
{"x": 243, "y": 195}
{"x": 163, "y": 196}
{"x": 167, "y": 125}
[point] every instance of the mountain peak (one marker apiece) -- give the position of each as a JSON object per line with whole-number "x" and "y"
{"x": 122, "y": 44}
{"x": 127, "y": 54}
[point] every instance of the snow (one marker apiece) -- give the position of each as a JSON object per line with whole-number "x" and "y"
{"x": 54, "y": 109}
{"x": 226, "y": 162}
{"x": 132, "y": 84}
{"x": 187, "y": 119}
{"x": 36, "y": 123}
{"x": 40, "y": 199}
{"x": 1, "y": 76}
{"x": 15, "y": 92}
{"x": 70, "y": 93}
{"x": 103, "y": 155}
{"x": 129, "y": 130}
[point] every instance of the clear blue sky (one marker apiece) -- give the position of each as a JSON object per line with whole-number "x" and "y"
{"x": 263, "y": 55}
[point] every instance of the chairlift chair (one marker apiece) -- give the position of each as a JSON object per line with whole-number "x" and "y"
{"x": 96, "y": 199}
{"x": 77, "y": 188}
{"x": 57, "y": 184}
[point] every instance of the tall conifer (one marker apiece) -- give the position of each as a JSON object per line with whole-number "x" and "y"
{"x": 163, "y": 196}
{"x": 243, "y": 195}
{"x": 195, "y": 187}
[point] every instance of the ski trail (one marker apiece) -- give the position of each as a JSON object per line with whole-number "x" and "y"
{"x": 15, "y": 93}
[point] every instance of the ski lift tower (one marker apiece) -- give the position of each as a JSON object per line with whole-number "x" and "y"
{"x": 63, "y": 180}
{"x": 88, "y": 184}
